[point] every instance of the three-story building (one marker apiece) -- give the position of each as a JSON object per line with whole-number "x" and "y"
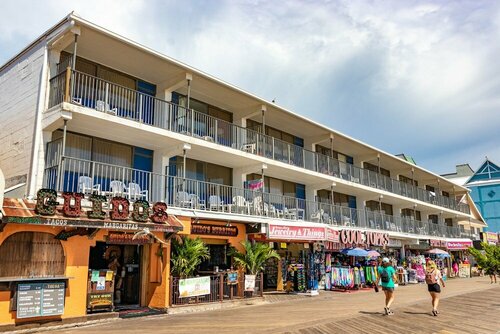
{"x": 86, "y": 111}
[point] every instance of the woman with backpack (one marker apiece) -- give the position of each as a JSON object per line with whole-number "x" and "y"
{"x": 387, "y": 277}
{"x": 433, "y": 278}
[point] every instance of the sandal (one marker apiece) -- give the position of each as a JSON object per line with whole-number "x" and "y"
{"x": 386, "y": 310}
{"x": 434, "y": 313}
{"x": 390, "y": 312}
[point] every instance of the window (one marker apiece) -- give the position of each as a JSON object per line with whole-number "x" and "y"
{"x": 336, "y": 155}
{"x": 375, "y": 206}
{"x": 448, "y": 221}
{"x": 410, "y": 213}
{"x": 203, "y": 171}
{"x": 375, "y": 169}
{"x": 433, "y": 219}
{"x": 273, "y": 132}
{"x": 407, "y": 180}
{"x": 277, "y": 186}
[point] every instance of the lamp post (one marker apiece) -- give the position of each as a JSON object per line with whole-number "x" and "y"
{"x": 186, "y": 147}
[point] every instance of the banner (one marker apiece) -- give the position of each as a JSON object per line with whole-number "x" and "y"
{"x": 491, "y": 238}
{"x": 197, "y": 286}
{"x": 249, "y": 282}
{"x": 255, "y": 184}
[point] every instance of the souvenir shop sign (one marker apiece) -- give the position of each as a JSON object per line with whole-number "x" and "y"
{"x": 353, "y": 237}
{"x": 285, "y": 232}
{"x": 218, "y": 230}
{"x": 191, "y": 287}
{"x": 332, "y": 235}
{"x": 127, "y": 239}
{"x": 457, "y": 245}
{"x": 40, "y": 299}
{"x": 394, "y": 243}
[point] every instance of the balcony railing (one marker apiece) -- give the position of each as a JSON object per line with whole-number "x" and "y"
{"x": 92, "y": 92}
{"x": 88, "y": 177}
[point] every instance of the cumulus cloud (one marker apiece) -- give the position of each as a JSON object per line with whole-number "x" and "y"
{"x": 418, "y": 77}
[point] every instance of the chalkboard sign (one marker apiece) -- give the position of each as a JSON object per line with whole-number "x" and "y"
{"x": 40, "y": 299}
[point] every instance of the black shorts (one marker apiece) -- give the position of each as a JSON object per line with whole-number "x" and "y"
{"x": 434, "y": 287}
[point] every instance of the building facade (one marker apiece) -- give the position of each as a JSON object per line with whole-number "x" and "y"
{"x": 113, "y": 129}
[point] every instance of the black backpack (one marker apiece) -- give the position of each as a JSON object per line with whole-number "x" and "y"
{"x": 384, "y": 276}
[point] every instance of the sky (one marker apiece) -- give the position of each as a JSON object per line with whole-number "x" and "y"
{"x": 414, "y": 77}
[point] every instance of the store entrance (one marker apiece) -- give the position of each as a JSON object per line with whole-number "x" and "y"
{"x": 124, "y": 261}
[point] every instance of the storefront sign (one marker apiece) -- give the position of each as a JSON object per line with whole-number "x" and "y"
{"x": 332, "y": 235}
{"x": 218, "y": 230}
{"x": 232, "y": 277}
{"x": 456, "y": 245}
{"x": 491, "y": 238}
{"x": 249, "y": 282}
{"x": 437, "y": 243}
{"x": 353, "y": 237}
{"x": 40, "y": 299}
{"x": 285, "y": 232}
{"x": 142, "y": 212}
{"x": 395, "y": 243}
{"x": 100, "y": 300}
{"x": 127, "y": 239}
{"x": 191, "y": 287}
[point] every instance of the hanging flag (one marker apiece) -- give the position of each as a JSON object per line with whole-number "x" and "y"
{"x": 255, "y": 184}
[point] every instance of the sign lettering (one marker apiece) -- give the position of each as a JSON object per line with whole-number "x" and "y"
{"x": 205, "y": 229}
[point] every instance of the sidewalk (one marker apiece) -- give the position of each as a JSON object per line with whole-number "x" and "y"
{"x": 310, "y": 312}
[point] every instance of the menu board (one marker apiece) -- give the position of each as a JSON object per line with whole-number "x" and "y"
{"x": 40, "y": 299}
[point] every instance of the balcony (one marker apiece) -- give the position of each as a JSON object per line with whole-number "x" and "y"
{"x": 78, "y": 175}
{"x": 92, "y": 92}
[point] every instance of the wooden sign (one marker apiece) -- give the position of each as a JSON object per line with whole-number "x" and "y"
{"x": 127, "y": 239}
{"x": 218, "y": 230}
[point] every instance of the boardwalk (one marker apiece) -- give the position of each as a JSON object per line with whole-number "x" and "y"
{"x": 468, "y": 306}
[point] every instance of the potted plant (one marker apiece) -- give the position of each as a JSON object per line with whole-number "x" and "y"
{"x": 187, "y": 254}
{"x": 254, "y": 256}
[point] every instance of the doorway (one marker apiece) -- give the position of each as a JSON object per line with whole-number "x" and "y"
{"x": 125, "y": 261}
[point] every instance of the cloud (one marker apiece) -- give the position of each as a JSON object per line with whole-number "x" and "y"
{"x": 419, "y": 77}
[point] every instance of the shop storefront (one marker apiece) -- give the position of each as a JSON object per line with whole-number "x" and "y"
{"x": 460, "y": 262}
{"x": 82, "y": 255}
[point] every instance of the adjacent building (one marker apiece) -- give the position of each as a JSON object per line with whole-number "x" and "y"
{"x": 110, "y": 148}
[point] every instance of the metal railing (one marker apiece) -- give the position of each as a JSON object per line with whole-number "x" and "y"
{"x": 85, "y": 176}
{"x": 104, "y": 96}
{"x": 220, "y": 290}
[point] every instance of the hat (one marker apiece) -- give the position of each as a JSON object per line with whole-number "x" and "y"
{"x": 385, "y": 260}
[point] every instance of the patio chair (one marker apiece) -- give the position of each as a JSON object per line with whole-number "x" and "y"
{"x": 197, "y": 202}
{"x": 87, "y": 186}
{"x": 134, "y": 192}
{"x": 288, "y": 214}
{"x": 316, "y": 216}
{"x": 241, "y": 204}
{"x": 183, "y": 199}
{"x": 117, "y": 188}
{"x": 215, "y": 202}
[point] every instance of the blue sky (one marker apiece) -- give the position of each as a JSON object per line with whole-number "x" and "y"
{"x": 419, "y": 77}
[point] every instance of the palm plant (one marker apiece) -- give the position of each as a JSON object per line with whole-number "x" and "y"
{"x": 254, "y": 257}
{"x": 488, "y": 258}
{"x": 187, "y": 254}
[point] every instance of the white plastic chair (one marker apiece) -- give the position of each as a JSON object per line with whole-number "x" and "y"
{"x": 196, "y": 202}
{"x": 216, "y": 203}
{"x": 241, "y": 204}
{"x": 134, "y": 191}
{"x": 183, "y": 199}
{"x": 117, "y": 188}
{"x": 87, "y": 186}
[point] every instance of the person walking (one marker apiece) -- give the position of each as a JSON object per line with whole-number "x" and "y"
{"x": 434, "y": 281}
{"x": 386, "y": 278}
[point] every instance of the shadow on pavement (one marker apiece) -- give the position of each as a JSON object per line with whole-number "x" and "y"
{"x": 366, "y": 312}
{"x": 424, "y": 313}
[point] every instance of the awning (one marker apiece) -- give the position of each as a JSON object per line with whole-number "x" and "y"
{"x": 22, "y": 211}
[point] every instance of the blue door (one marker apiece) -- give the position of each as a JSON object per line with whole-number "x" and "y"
{"x": 146, "y": 101}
